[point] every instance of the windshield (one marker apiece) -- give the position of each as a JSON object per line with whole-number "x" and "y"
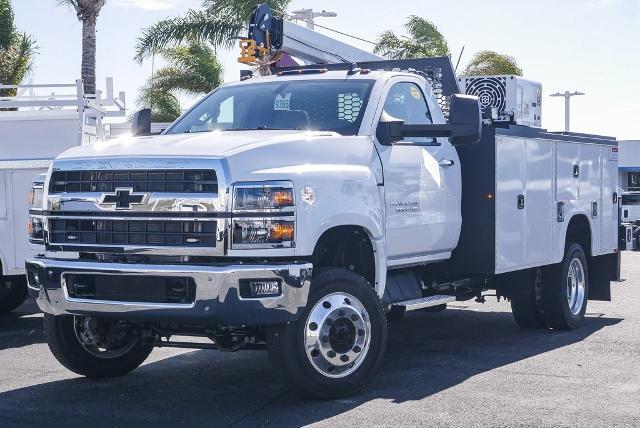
{"x": 320, "y": 105}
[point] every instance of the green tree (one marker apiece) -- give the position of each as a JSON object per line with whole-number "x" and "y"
{"x": 87, "y": 12}
{"x": 17, "y": 50}
{"x": 424, "y": 40}
{"x": 485, "y": 63}
{"x": 191, "y": 69}
{"x": 219, "y": 23}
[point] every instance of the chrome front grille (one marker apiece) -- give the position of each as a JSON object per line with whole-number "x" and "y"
{"x": 168, "y": 207}
{"x": 157, "y": 233}
{"x": 148, "y": 180}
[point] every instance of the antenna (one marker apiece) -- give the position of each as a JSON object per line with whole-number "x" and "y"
{"x": 459, "y": 58}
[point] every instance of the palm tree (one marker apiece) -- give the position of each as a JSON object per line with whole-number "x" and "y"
{"x": 424, "y": 40}
{"x": 486, "y": 63}
{"x": 192, "y": 69}
{"x": 219, "y": 23}
{"x": 17, "y": 50}
{"x": 87, "y": 12}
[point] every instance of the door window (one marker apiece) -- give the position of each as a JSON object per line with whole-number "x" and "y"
{"x": 406, "y": 101}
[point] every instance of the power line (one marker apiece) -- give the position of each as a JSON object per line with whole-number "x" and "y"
{"x": 345, "y": 34}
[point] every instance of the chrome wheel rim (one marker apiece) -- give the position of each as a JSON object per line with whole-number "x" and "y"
{"x": 109, "y": 342}
{"x": 575, "y": 286}
{"x": 337, "y": 335}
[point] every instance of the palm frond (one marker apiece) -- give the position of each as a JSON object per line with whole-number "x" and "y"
{"x": 164, "y": 106}
{"x": 7, "y": 29}
{"x": 428, "y": 40}
{"x": 198, "y": 26}
{"x": 220, "y": 23}
{"x": 485, "y": 63}
{"x": 424, "y": 40}
{"x": 198, "y": 59}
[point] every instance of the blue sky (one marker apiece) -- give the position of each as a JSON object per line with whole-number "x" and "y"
{"x": 586, "y": 45}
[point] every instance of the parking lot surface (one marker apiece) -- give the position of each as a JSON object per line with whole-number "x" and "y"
{"x": 467, "y": 366}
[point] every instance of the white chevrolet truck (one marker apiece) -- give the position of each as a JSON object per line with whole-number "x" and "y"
{"x": 302, "y": 211}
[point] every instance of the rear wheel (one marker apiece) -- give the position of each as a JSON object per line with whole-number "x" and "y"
{"x": 564, "y": 295}
{"x": 13, "y": 292}
{"x": 95, "y": 347}
{"x": 338, "y": 343}
{"x": 526, "y": 300}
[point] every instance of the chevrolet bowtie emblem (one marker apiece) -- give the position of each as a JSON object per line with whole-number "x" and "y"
{"x": 123, "y": 198}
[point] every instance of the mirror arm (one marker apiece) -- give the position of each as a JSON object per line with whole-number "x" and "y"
{"x": 435, "y": 130}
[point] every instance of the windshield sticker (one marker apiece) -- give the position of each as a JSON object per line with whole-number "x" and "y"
{"x": 415, "y": 93}
{"x": 282, "y": 102}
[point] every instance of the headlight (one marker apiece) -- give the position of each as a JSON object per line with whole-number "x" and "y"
{"x": 262, "y": 197}
{"x": 35, "y": 197}
{"x": 35, "y": 229}
{"x": 263, "y": 233}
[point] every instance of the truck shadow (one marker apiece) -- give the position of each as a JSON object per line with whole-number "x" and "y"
{"x": 21, "y": 327}
{"x": 427, "y": 353}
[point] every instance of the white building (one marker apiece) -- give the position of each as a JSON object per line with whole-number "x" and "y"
{"x": 629, "y": 165}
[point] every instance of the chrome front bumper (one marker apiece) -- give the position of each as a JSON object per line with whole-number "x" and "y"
{"x": 217, "y": 298}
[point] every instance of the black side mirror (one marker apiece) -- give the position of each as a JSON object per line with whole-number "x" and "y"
{"x": 464, "y": 127}
{"x": 384, "y": 129}
{"x": 465, "y": 115}
{"x": 141, "y": 123}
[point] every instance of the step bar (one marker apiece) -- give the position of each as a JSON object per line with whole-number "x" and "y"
{"x": 423, "y": 302}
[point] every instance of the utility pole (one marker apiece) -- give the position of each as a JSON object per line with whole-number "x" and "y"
{"x": 567, "y": 105}
{"x": 308, "y": 15}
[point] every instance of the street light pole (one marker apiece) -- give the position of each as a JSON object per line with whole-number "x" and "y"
{"x": 308, "y": 15}
{"x": 567, "y": 105}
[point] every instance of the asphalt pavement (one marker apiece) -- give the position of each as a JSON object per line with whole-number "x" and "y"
{"x": 467, "y": 366}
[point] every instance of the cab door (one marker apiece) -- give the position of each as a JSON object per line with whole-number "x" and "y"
{"x": 421, "y": 180}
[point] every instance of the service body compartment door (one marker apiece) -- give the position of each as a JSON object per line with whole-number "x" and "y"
{"x": 609, "y": 160}
{"x": 567, "y": 188}
{"x": 510, "y": 219}
{"x": 539, "y": 206}
{"x": 591, "y": 190}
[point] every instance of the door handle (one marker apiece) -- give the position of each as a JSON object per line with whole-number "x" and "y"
{"x": 446, "y": 162}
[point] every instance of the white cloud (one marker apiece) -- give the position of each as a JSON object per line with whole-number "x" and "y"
{"x": 149, "y": 4}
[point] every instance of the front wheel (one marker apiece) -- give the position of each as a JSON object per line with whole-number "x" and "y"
{"x": 565, "y": 294}
{"x": 95, "y": 347}
{"x": 338, "y": 343}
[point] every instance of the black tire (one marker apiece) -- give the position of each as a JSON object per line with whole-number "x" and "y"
{"x": 66, "y": 347}
{"x": 526, "y": 300}
{"x": 287, "y": 349}
{"x": 555, "y": 301}
{"x": 13, "y": 293}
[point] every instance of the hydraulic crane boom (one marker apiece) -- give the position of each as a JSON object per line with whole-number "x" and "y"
{"x": 270, "y": 36}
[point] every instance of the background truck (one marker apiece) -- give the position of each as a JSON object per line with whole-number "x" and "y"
{"x": 34, "y": 129}
{"x": 300, "y": 212}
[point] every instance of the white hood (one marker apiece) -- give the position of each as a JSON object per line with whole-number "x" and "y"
{"x": 210, "y": 144}
{"x": 249, "y": 155}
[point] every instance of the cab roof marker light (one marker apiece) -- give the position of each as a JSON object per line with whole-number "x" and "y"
{"x": 302, "y": 71}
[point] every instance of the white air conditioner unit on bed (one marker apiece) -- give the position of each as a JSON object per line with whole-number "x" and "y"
{"x": 506, "y": 98}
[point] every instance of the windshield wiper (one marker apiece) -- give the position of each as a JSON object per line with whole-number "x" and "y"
{"x": 191, "y": 131}
{"x": 263, "y": 128}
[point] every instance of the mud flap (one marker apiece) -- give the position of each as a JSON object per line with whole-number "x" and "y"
{"x": 602, "y": 270}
